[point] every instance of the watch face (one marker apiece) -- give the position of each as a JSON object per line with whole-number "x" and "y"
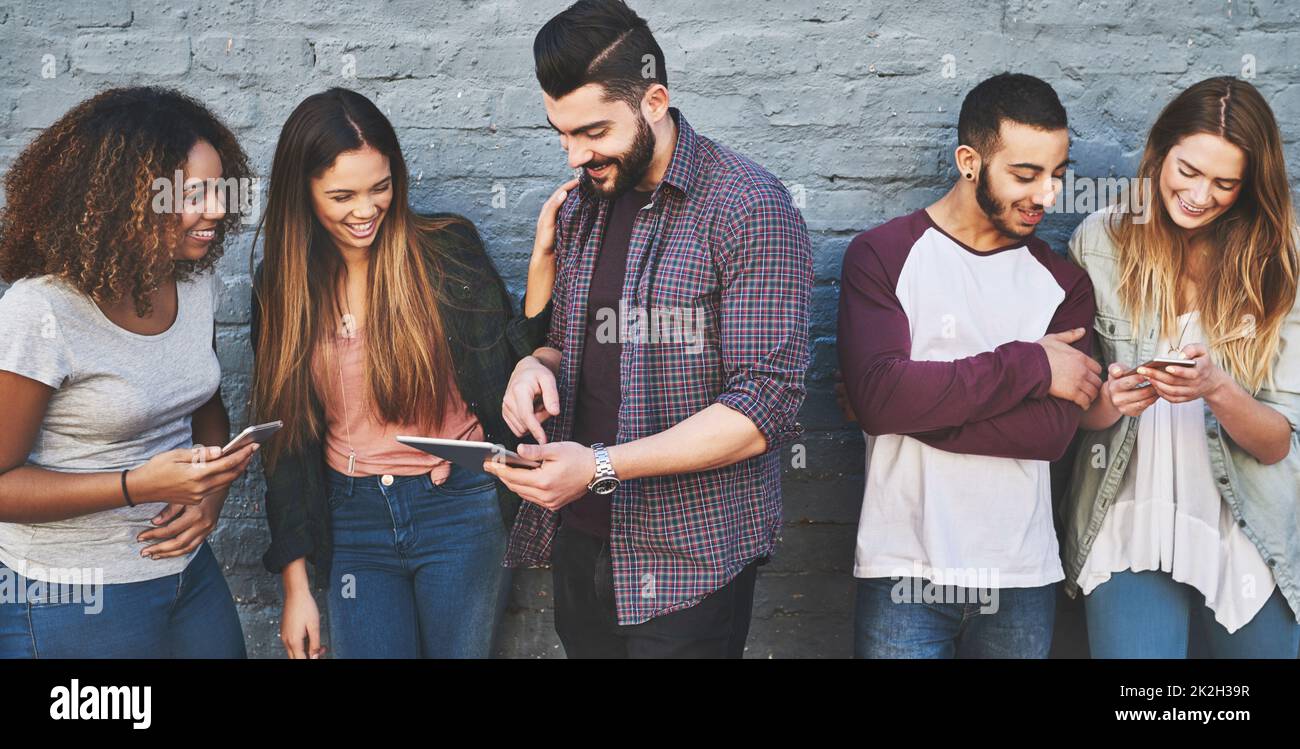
{"x": 604, "y": 486}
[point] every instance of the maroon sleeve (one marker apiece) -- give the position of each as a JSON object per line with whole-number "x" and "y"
{"x": 890, "y": 393}
{"x": 1038, "y": 428}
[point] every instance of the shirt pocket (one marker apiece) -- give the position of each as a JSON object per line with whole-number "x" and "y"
{"x": 1114, "y": 339}
{"x": 685, "y": 301}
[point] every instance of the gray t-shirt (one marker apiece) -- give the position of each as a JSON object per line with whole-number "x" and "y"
{"x": 119, "y": 399}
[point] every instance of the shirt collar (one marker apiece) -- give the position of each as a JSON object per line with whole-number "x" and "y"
{"x": 684, "y": 165}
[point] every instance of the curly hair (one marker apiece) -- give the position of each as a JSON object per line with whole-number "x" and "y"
{"x": 79, "y": 198}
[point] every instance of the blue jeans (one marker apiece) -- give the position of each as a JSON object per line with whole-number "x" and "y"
{"x": 416, "y": 570}
{"x": 892, "y": 621}
{"x": 1148, "y": 615}
{"x": 186, "y": 615}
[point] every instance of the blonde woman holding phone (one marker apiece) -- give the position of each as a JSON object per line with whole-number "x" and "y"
{"x": 1185, "y": 494}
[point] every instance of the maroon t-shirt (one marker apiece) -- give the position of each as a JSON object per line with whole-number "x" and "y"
{"x": 595, "y": 415}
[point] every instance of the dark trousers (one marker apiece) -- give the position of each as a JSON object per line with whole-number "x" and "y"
{"x": 585, "y": 619}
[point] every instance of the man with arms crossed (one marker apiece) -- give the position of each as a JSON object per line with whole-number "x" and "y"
{"x": 965, "y": 345}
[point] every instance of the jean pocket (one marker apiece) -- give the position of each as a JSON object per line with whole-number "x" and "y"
{"x": 465, "y": 488}
{"x": 464, "y": 481}
{"x": 336, "y": 496}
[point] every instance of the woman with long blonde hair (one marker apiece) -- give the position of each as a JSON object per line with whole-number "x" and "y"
{"x": 370, "y": 321}
{"x": 1185, "y": 492}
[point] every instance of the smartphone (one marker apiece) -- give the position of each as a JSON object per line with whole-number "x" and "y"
{"x": 258, "y": 434}
{"x": 1160, "y": 362}
{"x": 468, "y": 453}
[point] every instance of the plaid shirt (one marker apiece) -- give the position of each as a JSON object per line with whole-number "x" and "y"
{"x": 721, "y": 250}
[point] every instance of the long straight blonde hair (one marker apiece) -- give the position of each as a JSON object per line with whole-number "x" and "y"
{"x": 408, "y": 368}
{"x": 1246, "y": 296}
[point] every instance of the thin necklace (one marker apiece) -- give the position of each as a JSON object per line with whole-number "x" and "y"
{"x": 1178, "y": 348}
{"x": 348, "y": 327}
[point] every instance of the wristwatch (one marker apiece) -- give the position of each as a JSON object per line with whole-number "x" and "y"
{"x": 605, "y": 481}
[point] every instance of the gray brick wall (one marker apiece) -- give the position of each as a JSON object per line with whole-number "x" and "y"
{"x": 852, "y": 103}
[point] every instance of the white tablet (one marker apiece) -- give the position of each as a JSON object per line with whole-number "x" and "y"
{"x": 466, "y": 453}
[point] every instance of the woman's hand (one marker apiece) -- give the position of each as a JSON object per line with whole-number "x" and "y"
{"x": 187, "y": 476}
{"x": 299, "y": 622}
{"x": 541, "y": 266}
{"x": 182, "y": 528}
{"x": 1183, "y": 384}
{"x": 544, "y": 240}
{"x": 1125, "y": 393}
{"x": 1255, "y": 426}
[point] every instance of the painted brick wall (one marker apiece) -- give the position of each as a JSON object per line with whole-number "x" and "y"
{"x": 853, "y": 104}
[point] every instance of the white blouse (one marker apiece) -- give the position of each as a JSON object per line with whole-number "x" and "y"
{"x": 1169, "y": 516}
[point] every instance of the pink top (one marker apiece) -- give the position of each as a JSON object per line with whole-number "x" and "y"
{"x": 377, "y": 449}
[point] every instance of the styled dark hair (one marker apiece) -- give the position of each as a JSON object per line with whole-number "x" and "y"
{"x": 1021, "y": 98}
{"x": 603, "y": 42}
{"x": 79, "y": 198}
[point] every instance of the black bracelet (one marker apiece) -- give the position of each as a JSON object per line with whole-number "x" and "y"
{"x": 126, "y": 493}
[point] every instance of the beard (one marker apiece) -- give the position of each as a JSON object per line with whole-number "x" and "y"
{"x": 996, "y": 211}
{"x": 630, "y": 167}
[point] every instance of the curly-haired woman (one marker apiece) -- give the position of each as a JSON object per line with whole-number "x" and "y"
{"x": 108, "y": 367}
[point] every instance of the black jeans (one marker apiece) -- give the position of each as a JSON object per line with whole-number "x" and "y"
{"x": 586, "y": 622}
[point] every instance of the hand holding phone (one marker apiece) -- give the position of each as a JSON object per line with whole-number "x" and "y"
{"x": 1160, "y": 362}
{"x": 258, "y": 434}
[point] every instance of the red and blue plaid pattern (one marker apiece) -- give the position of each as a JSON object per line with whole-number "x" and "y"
{"x": 722, "y": 239}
